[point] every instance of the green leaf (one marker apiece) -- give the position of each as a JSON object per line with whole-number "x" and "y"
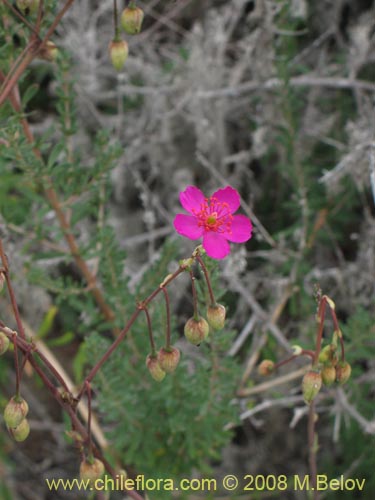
{"x": 29, "y": 94}
{"x": 47, "y": 322}
{"x": 55, "y": 153}
{"x": 64, "y": 339}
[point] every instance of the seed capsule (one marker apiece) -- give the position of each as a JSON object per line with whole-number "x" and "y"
{"x": 196, "y": 330}
{"x": 15, "y": 411}
{"x": 153, "y": 365}
{"x": 328, "y": 375}
{"x": 311, "y": 384}
{"x": 21, "y": 432}
{"x": 216, "y": 316}
{"x": 131, "y": 19}
{"x": 266, "y": 367}
{"x": 118, "y": 52}
{"x": 90, "y": 470}
{"x": 169, "y": 358}
{"x": 343, "y": 372}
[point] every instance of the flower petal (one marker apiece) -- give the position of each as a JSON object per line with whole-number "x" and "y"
{"x": 215, "y": 245}
{"x": 191, "y": 199}
{"x": 187, "y": 226}
{"x": 230, "y": 196}
{"x": 240, "y": 230}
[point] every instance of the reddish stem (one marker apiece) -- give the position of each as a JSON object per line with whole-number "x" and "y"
{"x": 204, "y": 269}
{"x": 149, "y": 327}
{"x": 195, "y": 298}
{"x": 312, "y": 449}
{"x": 11, "y": 291}
{"x": 319, "y": 336}
{"x": 168, "y": 313}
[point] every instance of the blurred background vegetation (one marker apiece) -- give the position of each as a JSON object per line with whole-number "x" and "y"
{"x": 275, "y": 98}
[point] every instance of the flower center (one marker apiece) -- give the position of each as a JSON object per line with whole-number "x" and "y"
{"x": 214, "y": 216}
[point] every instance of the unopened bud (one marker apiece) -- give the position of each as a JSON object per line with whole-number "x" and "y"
{"x": 311, "y": 384}
{"x": 327, "y": 353}
{"x": 297, "y": 350}
{"x": 266, "y": 367}
{"x": 4, "y": 343}
{"x": 343, "y": 372}
{"x": 21, "y": 432}
{"x": 118, "y": 52}
{"x": 28, "y": 6}
{"x": 196, "y": 330}
{"x": 153, "y": 365}
{"x": 216, "y": 316}
{"x": 122, "y": 473}
{"x": 131, "y": 19}
{"x": 91, "y": 469}
{"x": 15, "y": 411}
{"x": 328, "y": 375}
{"x": 49, "y": 51}
{"x": 169, "y": 358}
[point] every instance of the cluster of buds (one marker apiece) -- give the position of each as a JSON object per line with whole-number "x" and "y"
{"x": 131, "y": 22}
{"x": 197, "y": 328}
{"x": 163, "y": 362}
{"x": 327, "y": 368}
{"x": 15, "y": 418}
{"x": 332, "y": 369}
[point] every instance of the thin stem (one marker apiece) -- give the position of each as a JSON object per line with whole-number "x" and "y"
{"x": 18, "y": 14}
{"x": 304, "y": 352}
{"x": 321, "y": 313}
{"x": 40, "y": 16}
{"x": 312, "y": 449}
{"x": 88, "y": 391}
{"x": 127, "y": 327}
{"x": 16, "y": 365}
{"x": 338, "y": 331}
{"x": 54, "y": 201}
{"x": 150, "y": 335}
{"x": 11, "y": 291}
{"x": 56, "y": 21}
{"x": 26, "y": 348}
{"x": 168, "y": 313}
{"x": 115, "y": 21}
{"x": 205, "y": 272}
{"x": 195, "y": 298}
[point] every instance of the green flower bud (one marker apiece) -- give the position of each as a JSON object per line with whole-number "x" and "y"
{"x": 153, "y": 365}
{"x": 131, "y": 19}
{"x": 28, "y": 6}
{"x": 311, "y": 384}
{"x": 91, "y": 469}
{"x": 118, "y": 52}
{"x": 328, "y": 375}
{"x": 49, "y": 52}
{"x": 4, "y": 343}
{"x": 266, "y": 367}
{"x": 196, "y": 330}
{"x": 168, "y": 358}
{"x": 15, "y": 411}
{"x": 327, "y": 353}
{"x": 216, "y": 316}
{"x": 21, "y": 432}
{"x": 343, "y": 372}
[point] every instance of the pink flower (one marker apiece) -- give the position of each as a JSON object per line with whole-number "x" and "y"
{"x": 212, "y": 218}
